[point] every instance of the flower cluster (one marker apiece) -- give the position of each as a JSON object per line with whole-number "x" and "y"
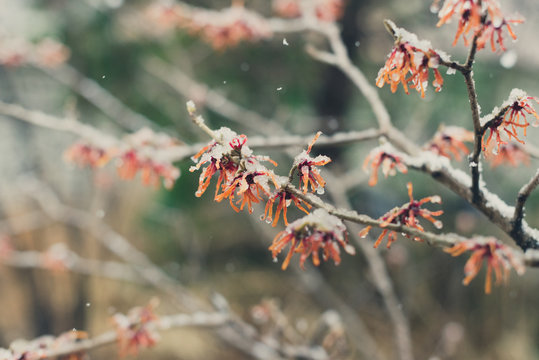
{"x": 325, "y": 10}
{"x": 499, "y": 258}
{"x": 18, "y": 51}
{"x": 473, "y": 20}
{"x": 511, "y": 117}
{"x": 221, "y": 29}
{"x": 314, "y": 232}
{"x": 449, "y": 141}
{"x": 406, "y": 215}
{"x": 134, "y": 330}
{"x": 307, "y": 168}
{"x": 240, "y": 172}
{"x": 409, "y": 63}
{"x": 40, "y": 347}
{"x": 381, "y": 157}
{"x": 136, "y": 152}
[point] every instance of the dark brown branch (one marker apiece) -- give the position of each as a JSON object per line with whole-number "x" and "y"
{"x": 523, "y": 195}
{"x": 478, "y": 134}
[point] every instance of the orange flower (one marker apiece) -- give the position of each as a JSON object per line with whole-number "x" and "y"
{"x": 307, "y": 171}
{"x": 325, "y": 10}
{"x": 314, "y": 232}
{"x": 511, "y": 153}
{"x": 406, "y": 215}
{"x": 218, "y": 161}
{"x": 514, "y": 112}
{"x": 390, "y": 163}
{"x": 450, "y": 141}
{"x": 499, "y": 258}
{"x": 329, "y": 10}
{"x": 227, "y": 27}
{"x": 240, "y": 172}
{"x": 490, "y": 30}
{"x": 469, "y": 13}
{"x": 84, "y": 155}
{"x": 151, "y": 172}
{"x": 409, "y": 63}
{"x": 284, "y": 199}
{"x": 249, "y": 185}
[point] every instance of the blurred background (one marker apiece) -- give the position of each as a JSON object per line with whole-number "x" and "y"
{"x": 125, "y": 72}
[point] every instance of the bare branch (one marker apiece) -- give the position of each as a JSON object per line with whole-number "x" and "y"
{"x": 197, "y": 319}
{"x": 107, "y": 269}
{"x": 59, "y": 124}
{"x": 523, "y": 195}
{"x": 213, "y": 99}
{"x": 99, "y": 97}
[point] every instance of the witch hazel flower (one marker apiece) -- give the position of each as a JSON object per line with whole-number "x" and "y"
{"x": 407, "y": 215}
{"x": 85, "y": 154}
{"x": 318, "y": 231}
{"x": 17, "y": 51}
{"x": 383, "y": 157}
{"x": 152, "y": 171}
{"x": 137, "y": 152}
{"x": 409, "y": 63}
{"x": 325, "y": 10}
{"x": 228, "y": 27}
{"x": 471, "y": 21}
{"x": 509, "y": 118}
{"x": 498, "y": 257}
{"x": 307, "y": 169}
{"x": 449, "y": 142}
{"x": 283, "y": 199}
{"x": 250, "y": 184}
{"x": 468, "y": 12}
{"x": 135, "y": 330}
{"x": 143, "y": 154}
{"x": 241, "y": 173}
{"x": 511, "y": 154}
{"x": 492, "y": 32}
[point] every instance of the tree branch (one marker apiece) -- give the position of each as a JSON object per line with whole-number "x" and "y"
{"x": 523, "y": 195}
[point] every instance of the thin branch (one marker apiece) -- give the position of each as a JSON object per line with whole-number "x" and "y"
{"x": 197, "y": 319}
{"x": 198, "y": 120}
{"x": 478, "y": 131}
{"x": 59, "y": 124}
{"x": 97, "y": 95}
{"x": 213, "y": 99}
{"x": 523, "y": 195}
{"x": 180, "y": 152}
{"x": 340, "y": 59}
{"x": 73, "y": 263}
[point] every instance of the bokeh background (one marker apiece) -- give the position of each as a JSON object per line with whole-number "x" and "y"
{"x": 207, "y": 246}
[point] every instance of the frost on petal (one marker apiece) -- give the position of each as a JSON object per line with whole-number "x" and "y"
{"x": 409, "y": 63}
